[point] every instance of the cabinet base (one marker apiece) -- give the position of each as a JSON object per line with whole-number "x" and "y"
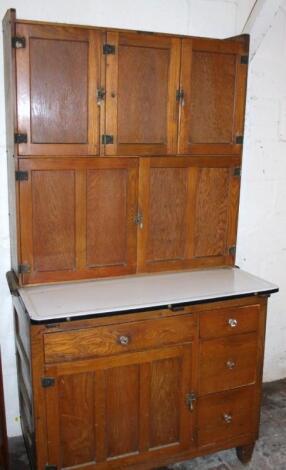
{"x": 244, "y": 453}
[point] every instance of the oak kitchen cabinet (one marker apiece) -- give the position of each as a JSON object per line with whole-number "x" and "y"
{"x": 124, "y": 160}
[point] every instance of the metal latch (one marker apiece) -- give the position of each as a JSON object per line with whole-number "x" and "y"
{"x": 108, "y": 49}
{"x": 47, "y": 382}
{"x": 190, "y": 400}
{"x": 20, "y": 138}
{"x": 21, "y": 175}
{"x": 18, "y": 42}
{"x": 107, "y": 139}
{"x": 100, "y": 95}
{"x": 138, "y": 219}
{"x": 180, "y": 94}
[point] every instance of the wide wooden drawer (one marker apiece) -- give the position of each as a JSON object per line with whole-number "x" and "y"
{"x": 227, "y": 363}
{"x": 230, "y": 321}
{"x": 227, "y": 415}
{"x": 118, "y": 338}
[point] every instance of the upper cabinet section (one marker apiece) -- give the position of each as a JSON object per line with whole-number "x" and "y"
{"x": 213, "y": 88}
{"x": 91, "y": 92}
{"x": 142, "y": 76}
{"x": 58, "y": 74}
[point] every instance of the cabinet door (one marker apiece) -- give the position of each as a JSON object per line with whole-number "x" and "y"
{"x": 213, "y": 79}
{"x": 188, "y": 212}
{"x": 77, "y": 218}
{"x": 58, "y": 73}
{"x": 121, "y": 410}
{"x": 142, "y": 77}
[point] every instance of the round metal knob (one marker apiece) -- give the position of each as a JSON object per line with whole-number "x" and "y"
{"x": 230, "y": 364}
{"x": 232, "y": 322}
{"x": 124, "y": 340}
{"x": 227, "y": 418}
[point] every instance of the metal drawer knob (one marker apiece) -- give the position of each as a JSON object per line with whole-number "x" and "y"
{"x": 232, "y": 322}
{"x": 124, "y": 340}
{"x": 227, "y": 418}
{"x": 230, "y": 364}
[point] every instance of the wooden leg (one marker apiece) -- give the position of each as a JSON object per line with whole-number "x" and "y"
{"x": 244, "y": 453}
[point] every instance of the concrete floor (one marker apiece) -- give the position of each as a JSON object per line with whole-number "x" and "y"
{"x": 269, "y": 453}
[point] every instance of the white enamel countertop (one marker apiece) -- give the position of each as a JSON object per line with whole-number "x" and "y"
{"x": 137, "y": 292}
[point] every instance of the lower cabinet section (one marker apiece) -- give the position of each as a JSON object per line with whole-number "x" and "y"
{"x": 141, "y": 390}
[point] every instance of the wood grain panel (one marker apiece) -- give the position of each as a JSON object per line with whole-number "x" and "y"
{"x": 107, "y": 193}
{"x": 167, "y": 214}
{"x": 212, "y": 212}
{"x": 165, "y": 402}
{"x": 76, "y": 399}
{"x": 215, "y": 356}
{"x": 122, "y": 410}
{"x": 53, "y": 208}
{"x": 59, "y": 91}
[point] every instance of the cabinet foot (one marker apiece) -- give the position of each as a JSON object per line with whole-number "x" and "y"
{"x": 244, "y": 453}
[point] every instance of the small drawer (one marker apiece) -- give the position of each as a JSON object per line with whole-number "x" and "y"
{"x": 227, "y": 415}
{"x": 118, "y": 338}
{"x": 227, "y": 363}
{"x": 230, "y": 321}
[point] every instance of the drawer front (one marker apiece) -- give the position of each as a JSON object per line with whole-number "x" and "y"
{"x": 228, "y": 363}
{"x": 231, "y": 321}
{"x": 116, "y": 339}
{"x": 227, "y": 415}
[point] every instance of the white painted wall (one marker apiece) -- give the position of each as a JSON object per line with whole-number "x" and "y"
{"x": 259, "y": 252}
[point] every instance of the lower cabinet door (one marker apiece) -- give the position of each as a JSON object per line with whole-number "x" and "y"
{"x": 119, "y": 410}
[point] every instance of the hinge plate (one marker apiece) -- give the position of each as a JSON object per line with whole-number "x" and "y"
{"x": 239, "y": 139}
{"x": 232, "y": 250}
{"x": 20, "y": 138}
{"x": 18, "y": 42}
{"x": 237, "y": 171}
{"x": 50, "y": 467}
{"x": 47, "y": 382}
{"x": 24, "y": 268}
{"x": 107, "y": 139}
{"x": 108, "y": 49}
{"x": 21, "y": 175}
{"x": 180, "y": 95}
{"x": 244, "y": 59}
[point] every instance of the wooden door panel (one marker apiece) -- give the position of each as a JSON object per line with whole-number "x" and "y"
{"x": 213, "y": 77}
{"x": 141, "y": 82}
{"x": 121, "y": 409}
{"x": 77, "y": 218}
{"x": 189, "y": 210}
{"x": 58, "y": 73}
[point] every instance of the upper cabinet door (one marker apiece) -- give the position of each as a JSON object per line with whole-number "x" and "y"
{"x": 58, "y": 73}
{"x": 213, "y": 82}
{"x": 142, "y": 77}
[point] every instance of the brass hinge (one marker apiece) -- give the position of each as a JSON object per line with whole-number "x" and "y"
{"x": 18, "y": 42}
{"x": 24, "y": 268}
{"x": 138, "y": 219}
{"x": 244, "y": 59}
{"x": 108, "y": 49}
{"x": 237, "y": 171}
{"x": 107, "y": 139}
{"x": 232, "y": 250}
{"x": 20, "y": 138}
{"x": 21, "y": 175}
{"x": 50, "y": 467}
{"x": 239, "y": 139}
{"x": 47, "y": 382}
{"x": 180, "y": 95}
{"x": 190, "y": 400}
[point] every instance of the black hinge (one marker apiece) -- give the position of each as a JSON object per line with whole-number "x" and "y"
{"x": 239, "y": 139}
{"x": 20, "y": 138}
{"x": 18, "y": 42}
{"x": 50, "y": 467}
{"x": 107, "y": 139}
{"x": 237, "y": 171}
{"x": 180, "y": 95}
{"x": 47, "y": 382}
{"x": 108, "y": 49}
{"x": 24, "y": 268}
{"x": 244, "y": 59}
{"x": 21, "y": 175}
{"x": 232, "y": 250}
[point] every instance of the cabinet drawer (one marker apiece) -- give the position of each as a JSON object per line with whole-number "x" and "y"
{"x": 227, "y": 415}
{"x": 231, "y": 321}
{"x": 227, "y": 363}
{"x": 116, "y": 339}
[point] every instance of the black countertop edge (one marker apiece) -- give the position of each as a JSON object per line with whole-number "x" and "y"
{"x": 178, "y": 306}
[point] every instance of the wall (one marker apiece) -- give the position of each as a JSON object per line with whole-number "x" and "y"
{"x": 184, "y": 17}
{"x": 262, "y": 221}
